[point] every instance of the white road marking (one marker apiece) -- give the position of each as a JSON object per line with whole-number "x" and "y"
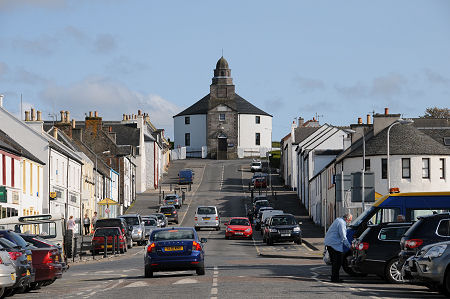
{"x": 215, "y": 283}
{"x": 193, "y": 194}
{"x": 186, "y": 281}
{"x": 214, "y": 291}
{"x": 303, "y": 244}
{"x": 136, "y": 284}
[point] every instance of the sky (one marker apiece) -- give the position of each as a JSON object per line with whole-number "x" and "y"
{"x": 333, "y": 60}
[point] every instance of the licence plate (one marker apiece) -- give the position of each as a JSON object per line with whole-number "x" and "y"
{"x": 173, "y": 248}
{"x": 57, "y": 258}
{"x": 29, "y": 258}
{"x": 206, "y": 218}
{"x": 170, "y": 202}
{"x": 28, "y": 272}
{"x": 13, "y": 276}
{"x": 107, "y": 246}
{"x": 239, "y": 233}
{"x": 167, "y": 214}
{"x": 285, "y": 235}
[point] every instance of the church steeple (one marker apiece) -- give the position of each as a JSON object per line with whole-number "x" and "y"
{"x": 222, "y": 84}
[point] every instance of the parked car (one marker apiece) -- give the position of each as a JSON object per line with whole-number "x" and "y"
{"x": 185, "y": 176}
{"x": 150, "y": 224}
{"x": 431, "y": 267}
{"x": 117, "y": 222}
{"x": 22, "y": 265}
{"x": 7, "y": 272}
{"x": 282, "y": 228}
{"x": 265, "y": 215}
{"x": 161, "y": 219}
{"x": 98, "y": 239}
{"x": 170, "y": 212}
{"x": 257, "y": 219}
{"x": 259, "y": 204}
{"x": 173, "y": 199}
{"x": 259, "y": 175}
{"x": 426, "y": 230}
{"x": 376, "y": 251}
{"x": 259, "y": 183}
{"x": 20, "y": 242}
{"x": 136, "y": 225}
{"x": 238, "y": 227}
{"x": 171, "y": 249}
{"x": 206, "y": 217}
{"x": 256, "y": 165}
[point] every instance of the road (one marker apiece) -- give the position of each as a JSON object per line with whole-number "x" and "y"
{"x": 234, "y": 268}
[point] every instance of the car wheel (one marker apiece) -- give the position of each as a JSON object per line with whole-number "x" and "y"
{"x": 148, "y": 272}
{"x": 347, "y": 267}
{"x": 218, "y": 228}
{"x": 299, "y": 241}
{"x": 392, "y": 272}
{"x": 200, "y": 271}
{"x": 446, "y": 286}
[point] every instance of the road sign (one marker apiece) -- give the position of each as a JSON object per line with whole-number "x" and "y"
{"x": 52, "y": 195}
{"x": 107, "y": 211}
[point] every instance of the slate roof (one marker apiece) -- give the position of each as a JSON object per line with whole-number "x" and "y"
{"x": 437, "y": 134}
{"x": 301, "y": 133}
{"x": 243, "y": 107}
{"x": 59, "y": 148}
{"x": 10, "y": 145}
{"x": 403, "y": 140}
{"x": 126, "y": 134}
{"x": 431, "y": 122}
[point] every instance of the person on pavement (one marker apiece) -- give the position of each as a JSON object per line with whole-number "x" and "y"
{"x": 71, "y": 224}
{"x": 94, "y": 220}
{"x": 86, "y": 224}
{"x": 336, "y": 244}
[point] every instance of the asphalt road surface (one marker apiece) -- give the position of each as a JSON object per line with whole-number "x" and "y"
{"x": 234, "y": 268}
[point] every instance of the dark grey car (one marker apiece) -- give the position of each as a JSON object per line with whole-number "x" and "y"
{"x": 430, "y": 267}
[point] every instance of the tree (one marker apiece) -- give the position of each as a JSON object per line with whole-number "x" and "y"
{"x": 435, "y": 112}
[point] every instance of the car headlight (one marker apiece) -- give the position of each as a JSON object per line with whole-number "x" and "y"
{"x": 273, "y": 230}
{"x": 296, "y": 229}
{"x": 435, "y": 251}
{"x": 229, "y": 229}
{"x": 248, "y": 230}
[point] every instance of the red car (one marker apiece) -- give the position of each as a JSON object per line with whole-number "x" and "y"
{"x": 98, "y": 240}
{"x": 238, "y": 227}
{"x": 46, "y": 262}
{"x": 260, "y": 182}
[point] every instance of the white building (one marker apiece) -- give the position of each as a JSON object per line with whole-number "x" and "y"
{"x": 224, "y": 123}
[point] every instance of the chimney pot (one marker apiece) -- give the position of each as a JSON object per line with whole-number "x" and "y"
{"x": 33, "y": 114}
{"x": 359, "y": 121}
{"x": 90, "y": 113}
{"x": 39, "y": 116}
{"x": 62, "y": 115}
{"x": 96, "y": 114}
{"x": 368, "y": 119}
{"x": 300, "y": 121}
{"x": 386, "y": 111}
{"x": 124, "y": 117}
{"x": 27, "y": 115}
{"x": 55, "y": 132}
{"x": 110, "y": 129}
{"x": 67, "y": 117}
{"x": 73, "y": 123}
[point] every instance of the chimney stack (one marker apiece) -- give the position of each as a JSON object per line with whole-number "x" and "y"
{"x": 90, "y": 113}
{"x": 73, "y": 123}
{"x": 368, "y": 119}
{"x": 62, "y": 115}
{"x": 39, "y": 116}
{"x": 301, "y": 121}
{"x": 33, "y": 114}
{"x": 359, "y": 121}
{"x": 27, "y": 115}
{"x": 95, "y": 113}
{"x": 67, "y": 117}
{"x": 55, "y": 132}
{"x": 124, "y": 117}
{"x": 386, "y": 111}
{"x": 1, "y": 100}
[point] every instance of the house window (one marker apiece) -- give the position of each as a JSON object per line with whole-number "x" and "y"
{"x": 406, "y": 168}
{"x": 384, "y": 168}
{"x": 257, "y": 119}
{"x": 442, "y": 168}
{"x": 426, "y": 168}
{"x": 187, "y": 120}
{"x": 367, "y": 164}
{"x": 222, "y": 117}
{"x": 187, "y": 139}
{"x": 258, "y": 139}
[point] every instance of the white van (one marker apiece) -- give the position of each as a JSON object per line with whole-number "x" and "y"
{"x": 206, "y": 217}
{"x": 268, "y": 213}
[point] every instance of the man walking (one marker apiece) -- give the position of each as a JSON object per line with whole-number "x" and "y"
{"x": 335, "y": 240}
{"x": 86, "y": 224}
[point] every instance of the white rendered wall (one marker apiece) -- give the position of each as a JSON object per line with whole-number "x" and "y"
{"x": 196, "y": 127}
{"x": 248, "y": 129}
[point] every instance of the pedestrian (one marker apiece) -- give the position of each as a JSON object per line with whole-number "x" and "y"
{"x": 336, "y": 244}
{"x": 71, "y": 224}
{"x": 86, "y": 224}
{"x": 401, "y": 218}
{"x": 94, "y": 220}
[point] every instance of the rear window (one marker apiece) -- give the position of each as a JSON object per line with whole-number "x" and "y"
{"x": 256, "y": 164}
{"x": 283, "y": 221}
{"x": 7, "y": 243}
{"x": 15, "y": 238}
{"x": 206, "y": 210}
{"x": 174, "y": 234}
{"x": 171, "y": 197}
{"x": 109, "y": 222}
{"x": 132, "y": 220}
{"x": 239, "y": 222}
{"x": 167, "y": 209}
{"x": 106, "y": 232}
{"x": 262, "y": 204}
{"x": 392, "y": 233}
{"x": 444, "y": 228}
{"x": 150, "y": 222}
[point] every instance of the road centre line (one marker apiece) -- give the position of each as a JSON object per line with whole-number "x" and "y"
{"x": 193, "y": 194}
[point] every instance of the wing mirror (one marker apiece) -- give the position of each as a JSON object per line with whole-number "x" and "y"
{"x": 203, "y": 240}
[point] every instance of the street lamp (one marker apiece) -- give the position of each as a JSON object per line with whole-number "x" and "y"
{"x": 363, "y": 166}
{"x": 398, "y": 121}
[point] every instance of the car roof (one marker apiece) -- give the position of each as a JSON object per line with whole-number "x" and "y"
{"x": 173, "y": 228}
{"x": 172, "y": 194}
{"x": 167, "y": 206}
{"x": 129, "y": 215}
{"x": 261, "y": 200}
{"x": 439, "y": 215}
{"x": 238, "y": 218}
{"x": 206, "y": 207}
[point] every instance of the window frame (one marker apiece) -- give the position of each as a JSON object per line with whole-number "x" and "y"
{"x": 367, "y": 165}
{"x": 442, "y": 168}
{"x": 257, "y": 119}
{"x": 220, "y": 117}
{"x": 187, "y": 120}
{"x": 408, "y": 176}
{"x": 427, "y": 168}
{"x": 187, "y": 139}
{"x": 384, "y": 168}
{"x": 257, "y": 138}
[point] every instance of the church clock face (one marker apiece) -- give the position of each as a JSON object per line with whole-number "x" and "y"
{"x": 221, "y": 92}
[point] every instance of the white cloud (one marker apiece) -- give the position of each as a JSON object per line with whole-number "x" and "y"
{"x": 111, "y": 99}
{"x": 309, "y": 84}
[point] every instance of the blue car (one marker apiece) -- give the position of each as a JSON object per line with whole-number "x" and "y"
{"x": 171, "y": 249}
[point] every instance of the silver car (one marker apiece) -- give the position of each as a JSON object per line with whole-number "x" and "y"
{"x": 173, "y": 199}
{"x": 7, "y": 272}
{"x": 162, "y": 219}
{"x": 134, "y": 222}
{"x": 207, "y": 217}
{"x": 150, "y": 224}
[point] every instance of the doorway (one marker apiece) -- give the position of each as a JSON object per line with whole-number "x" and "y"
{"x": 222, "y": 145}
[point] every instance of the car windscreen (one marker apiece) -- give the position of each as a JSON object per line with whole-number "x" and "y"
{"x": 256, "y": 164}
{"x": 174, "y": 234}
{"x": 239, "y": 222}
{"x": 264, "y": 203}
{"x": 106, "y": 231}
{"x": 149, "y": 222}
{"x": 283, "y": 221}
{"x": 166, "y": 209}
{"x": 362, "y": 217}
{"x": 7, "y": 243}
{"x": 206, "y": 210}
{"x": 132, "y": 220}
{"x": 171, "y": 197}
{"x": 15, "y": 238}
{"x": 109, "y": 222}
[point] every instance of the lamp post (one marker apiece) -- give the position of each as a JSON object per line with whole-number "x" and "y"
{"x": 363, "y": 167}
{"x": 398, "y": 121}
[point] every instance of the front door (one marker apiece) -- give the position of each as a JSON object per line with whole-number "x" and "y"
{"x": 222, "y": 148}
